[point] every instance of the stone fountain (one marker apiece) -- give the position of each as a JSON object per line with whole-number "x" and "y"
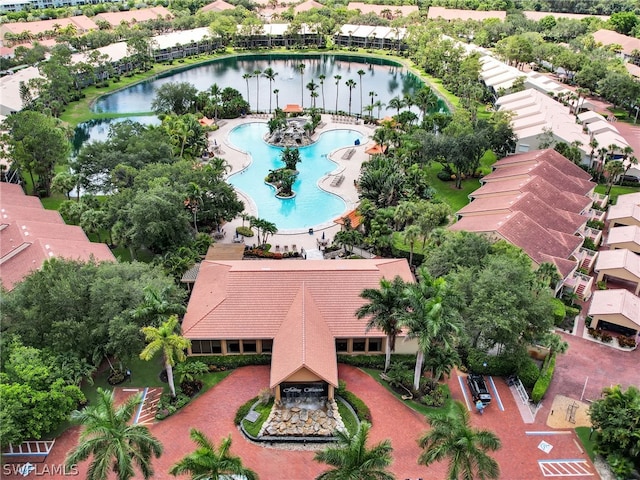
{"x": 292, "y": 134}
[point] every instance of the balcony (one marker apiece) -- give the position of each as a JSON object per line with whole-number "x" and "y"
{"x": 593, "y": 234}
{"x": 596, "y": 215}
{"x": 580, "y": 284}
{"x": 599, "y": 199}
{"x": 586, "y": 259}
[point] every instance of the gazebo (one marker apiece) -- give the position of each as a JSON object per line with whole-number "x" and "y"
{"x": 376, "y": 149}
{"x": 292, "y": 108}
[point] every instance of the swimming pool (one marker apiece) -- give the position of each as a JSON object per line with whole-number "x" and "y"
{"x": 311, "y": 206}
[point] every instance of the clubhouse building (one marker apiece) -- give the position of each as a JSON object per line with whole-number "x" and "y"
{"x": 302, "y": 313}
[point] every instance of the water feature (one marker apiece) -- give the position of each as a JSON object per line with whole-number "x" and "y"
{"x": 312, "y": 205}
{"x": 384, "y": 77}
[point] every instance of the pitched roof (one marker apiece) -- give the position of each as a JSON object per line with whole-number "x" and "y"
{"x": 609, "y": 37}
{"x": 544, "y": 190}
{"x": 528, "y": 203}
{"x": 624, "y": 211}
{"x": 81, "y": 22}
{"x": 304, "y": 341}
{"x": 29, "y": 235}
{"x": 401, "y": 10}
{"x": 459, "y": 14}
{"x": 619, "y": 259}
{"x": 138, "y": 16}
{"x": 545, "y": 170}
{"x": 616, "y": 301}
{"x": 548, "y": 155}
{"x": 520, "y": 230}
{"x": 217, "y": 6}
{"x": 224, "y": 299}
{"x": 306, "y": 6}
{"x": 355, "y": 219}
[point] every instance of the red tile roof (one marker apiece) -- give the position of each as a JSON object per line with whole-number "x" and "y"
{"x": 304, "y": 341}
{"x": 532, "y": 206}
{"x": 30, "y": 235}
{"x": 396, "y": 10}
{"x": 548, "y": 155}
{"x": 81, "y": 22}
{"x": 217, "y": 6}
{"x": 355, "y": 219}
{"x": 459, "y": 14}
{"x": 251, "y": 299}
{"x": 522, "y": 231}
{"x": 609, "y": 37}
{"x": 138, "y": 16}
{"x": 306, "y": 6}
{"x": 544, "y": 190}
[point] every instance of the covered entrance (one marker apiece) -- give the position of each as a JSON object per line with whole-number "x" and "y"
{"x": 304, "y": 395}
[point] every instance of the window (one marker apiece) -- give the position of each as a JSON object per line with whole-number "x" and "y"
{"x": 205, "y": 346}
{"x": 523, "y": 148}
{"x": 233, "y": 346}
{"x": 249, "y": 346}
{"x": 375, "y": 344}
{"x": 267, "y": 346}
{"x": 359, "y": 344}
{"x": 341, "y": 345}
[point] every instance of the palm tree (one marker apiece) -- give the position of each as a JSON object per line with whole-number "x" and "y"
{"x": 465, "y": 447}
{"x": 246, "y": 77}
{"x": 379, "y": 106}
{"x": 270, "y": 75}
{"x": 426, "y": 100}
{"x": 352, "y": 460}
{"x": 594, "y": 145}
{"x": 157, "y": 306}
{"x": 300, "y": 68}
{"x": 312, "y": 87}
{"x": 172, "y": 345}
{"x": 372, "y": 95}
{"x": 194, "y": 201}
{"x": 351, "y": 84}
{"x": 337, "y": 78}
{"x": 397, "y": 103}
{"x": 322, "y": 77}
{"x": 384, "y": 309}
{"x": 257, "y": 73}
{"x": 360, "y": 74}
{"x": 613, "y": 169}
{"x": 114, "y": 444}
{"x": 427, "y": 320}
{"x": 215, "y": 91}
{"x": 209, "y": 462}
{"x": 276, "y": 92}
{"x": 411, "y": 235}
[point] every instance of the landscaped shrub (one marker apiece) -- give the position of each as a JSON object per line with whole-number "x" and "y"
{"x": 244, "y": 410}
{"x": 605, "y": 337}
{"x": 435, "y": 398}
{"x": 589, "y": 244}
{"x": 116, "y": 377}
{"x": 559, "y": 311}
{"x": 169, "y": 405}
{"x": 361, "y": 409}
{"x": 598, "y": 225}
{"x": 626, "y": 342}
{"x": 499, "y": 365}
{"x": 528, "y": 373}
{"x": 572, "y": 312}
{"x": 542, "y": 385}
{"x": 231, "y": 361}
{"x": 376, "y": 361}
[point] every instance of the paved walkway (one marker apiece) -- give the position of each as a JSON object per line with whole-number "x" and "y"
{"x": 239, "y": 160}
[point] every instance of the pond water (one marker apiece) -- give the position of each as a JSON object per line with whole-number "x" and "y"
{"x": 384, "y": 77}
{"x": 311, "y": 206}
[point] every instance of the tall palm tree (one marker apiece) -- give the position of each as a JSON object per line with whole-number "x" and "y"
{"x": 613, "y": 169}
{"x": 427, "y": 320}
{"x": 157, "y": 306}
{"x": 352, "y": 460}
{"x": 270, "y": 75}
{"x": 372, "y": 95}
{"x": 351, "y": 84}
{"x": 411, "y": 235}
{"x": 194, "y": 201}
{"x": 383, "y": 309}
{"x": 114, "y": 444}
{"x": 257, "y": 73}
{"x": 465, "y": 447}
{"x": 215, "y": 91}
{"x": 276, "y": 92}
{"x": 300, "y": 69}
{"x": 321, "y": 78}
{"x": 337, "y": 78}
{"x": 360, "y": 74}
{"x": 211, "y": 463}
{"x": 246, "y": 77}
{"x": 425, "y": 100}
{"x": 312, "y": 87}
{"x": 172, "y": 345}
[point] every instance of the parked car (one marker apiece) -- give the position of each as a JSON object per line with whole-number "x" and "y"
{"x": 478, "y": 387}
{"x": 630, "y": 179}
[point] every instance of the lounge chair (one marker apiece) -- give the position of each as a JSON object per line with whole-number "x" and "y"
{"x": 286, "y": 249}
{"x": 294, "y": 248}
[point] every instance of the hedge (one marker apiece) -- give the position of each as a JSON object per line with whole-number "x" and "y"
{"x": 542, "y": 385}
{"x": 529, "y": 373}
{"x": 231, "y": 361}
{"x": 361, "y": 409}
{"x": 500, "y": 365}
{"x": 559, "y": 311}
{"x": 376, "y": 361}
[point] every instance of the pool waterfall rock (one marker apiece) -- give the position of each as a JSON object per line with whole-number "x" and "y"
{"x": 295, "y": 132}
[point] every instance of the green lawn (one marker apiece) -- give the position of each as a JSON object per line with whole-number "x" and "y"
{"x": 253, "y": 428}
{"x": 616, "y": 190}
{"x": 584, "y": 433}
{"x": 417, "y": 406}
{"x": 53, "y": 202}
{"x": 348, "y": 418}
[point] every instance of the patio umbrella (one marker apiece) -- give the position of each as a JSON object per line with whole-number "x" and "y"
{"x": 323, "y": 235}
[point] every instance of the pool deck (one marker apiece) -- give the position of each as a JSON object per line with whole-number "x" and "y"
{"x": 347, "y": 166}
